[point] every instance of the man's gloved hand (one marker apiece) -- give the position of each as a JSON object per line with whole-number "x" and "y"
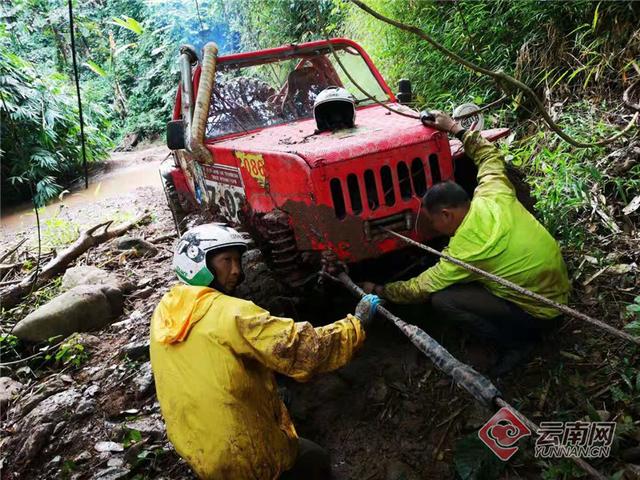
{"x": 366, "y": 309}
{"x": 440, "y": 121}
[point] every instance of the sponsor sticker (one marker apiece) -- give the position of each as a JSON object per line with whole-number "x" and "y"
{"x": 225, "y": 186}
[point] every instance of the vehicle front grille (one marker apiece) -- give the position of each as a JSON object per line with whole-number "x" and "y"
{"x": 391, "y": 185}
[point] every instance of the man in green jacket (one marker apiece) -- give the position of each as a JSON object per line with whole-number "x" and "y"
{"x": 494, "y": 232}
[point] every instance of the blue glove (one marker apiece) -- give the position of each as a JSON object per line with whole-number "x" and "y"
{"x": 366, "y": 309}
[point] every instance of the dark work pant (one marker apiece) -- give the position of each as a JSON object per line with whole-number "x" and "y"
{"x": 472, "y": 308}
{"x": 312, "y": 463}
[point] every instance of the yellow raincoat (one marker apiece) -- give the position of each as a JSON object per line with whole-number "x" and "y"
{"x": 213, "y": 358}
{"x": 499, "y": 236}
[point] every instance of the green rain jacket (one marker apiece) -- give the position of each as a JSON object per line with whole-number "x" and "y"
{"x": 499, "y": 236}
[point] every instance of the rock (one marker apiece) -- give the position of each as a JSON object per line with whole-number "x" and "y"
{"x": 89, "y": 340}
{"x": 397, "y": 470}
{"x": 81, "y": 309}
{"x": 131, "y": 455}
{"x": 108, "y": 447}
{"x": 148, "y": 427}
{"x": 96, "y": 373}
{"x": 128, "y": 142}
{"x": 144, "y": 381}
{"x": 8, "y": 389}
{"x": 136, "y": 350}
{"x": 143, "y": 293}
{"x": 142, "y": 247}
{"x": 87, "y": 275}
{"x": 60, "y": 406}
{"x": 50, "y": 386}
{"x": 91, "y": 390}
{"x": 58, "y": 428}
{"x": 38, "y": 436}
{"x": 115, "y": 462}
{"x": 52, "y": 412}
{"x": 631, "y": 472}
{"x": 82, "y": 457}
{"x": 85, "y": 407}
{"x": 111, "y": 473}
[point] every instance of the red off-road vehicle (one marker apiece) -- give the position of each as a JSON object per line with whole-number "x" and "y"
{"x": 246, "y": 148}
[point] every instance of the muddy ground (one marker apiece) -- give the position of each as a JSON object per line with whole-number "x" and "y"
{"x": 389, "y": 411}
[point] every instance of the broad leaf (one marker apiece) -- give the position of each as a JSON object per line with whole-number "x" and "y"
{"x": 95, "y": 68}
{"x": 129, "y": 23}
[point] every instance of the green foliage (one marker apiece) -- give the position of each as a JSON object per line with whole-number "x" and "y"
{"x": 8, "y": 347}
{"x": 128, "y": 64}
{"x": 131, "y": 437}
{"x": 40, "y": 130}
{"x": 68, "y": 467}
{"x": 298, "y": 21}
{"x": 58, "y": 231}
{"x": 579, "y": 43}
{"x": 572, "y": 185}
{"x": 71, "y": 352}
{"x": 633, "y": 311}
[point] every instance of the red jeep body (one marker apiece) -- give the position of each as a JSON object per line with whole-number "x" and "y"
{"x": 304, "y": 191}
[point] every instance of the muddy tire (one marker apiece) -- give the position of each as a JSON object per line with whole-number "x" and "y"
{"x": 178, "y": 212}
{"x": 261, "y": 285}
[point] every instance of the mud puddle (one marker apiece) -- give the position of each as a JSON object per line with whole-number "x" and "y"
{"x": 122, "y": 174}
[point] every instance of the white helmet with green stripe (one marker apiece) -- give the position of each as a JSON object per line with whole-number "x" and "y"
{"x": 190, "y": 256}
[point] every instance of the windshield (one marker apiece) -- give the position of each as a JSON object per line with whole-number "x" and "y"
{"x": 272, "y": 91}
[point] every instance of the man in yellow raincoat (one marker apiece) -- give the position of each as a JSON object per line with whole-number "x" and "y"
{"x": 214, "y": 358}
{"x": 494, "y": 232}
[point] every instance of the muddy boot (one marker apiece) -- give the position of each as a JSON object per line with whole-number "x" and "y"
{"x": 397, "y": 470}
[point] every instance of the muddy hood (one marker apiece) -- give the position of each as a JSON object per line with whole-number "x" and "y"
{"x": 377, "y": 130}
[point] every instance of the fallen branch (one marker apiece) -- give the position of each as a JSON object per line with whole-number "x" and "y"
{"x": 87, "y": 239}
{"x": 501, "y": 77}
{"x": 162, "y": 238}
{"x": 627, "y": 94}
{"x": 12, "y": 250}
{"x": 31, "y": 357}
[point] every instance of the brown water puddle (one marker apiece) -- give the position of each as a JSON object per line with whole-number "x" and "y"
{"x": 122, "y": 178}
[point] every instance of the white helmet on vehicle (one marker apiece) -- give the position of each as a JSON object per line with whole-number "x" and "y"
{"x": 190, "y": 256}
{"x": 334, "y": 108}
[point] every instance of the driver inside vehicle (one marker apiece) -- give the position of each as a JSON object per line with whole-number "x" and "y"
{"x": 305, "y": 82}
